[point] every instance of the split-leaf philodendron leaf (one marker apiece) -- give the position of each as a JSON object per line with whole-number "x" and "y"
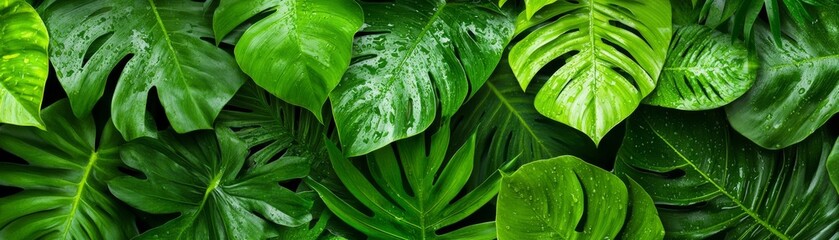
{"x": 705, "y": 69}
{"x": 566, "y": 198}
{"x": 411, "y": 58}
{"x": 418, "y": 189}
{"x": 162, "y": 41}
{"x": 64, "y": 195}
{"x": 23, "y": 64}
{"x": 300, "y": 51}
{"x": 611, "y": 54}
{"x": 797, "y": 86}
{"x": 200, "y": 176}
{"x": 709, "y": 181}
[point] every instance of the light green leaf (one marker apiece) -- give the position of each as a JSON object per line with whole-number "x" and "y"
{"x": 705, "y": 69}
{"x": 411, "y": 58}
{"x": 162, "y": 39}
{"x": 420, "y": 207}
{"x": 300, "y": 51}
{"x": 566, "y": 198}
{"x": 198, "y": 175}
{"x": 610, "y": 55}
{"x": 64, "y": 193}
{"x": 710, "y": 182}
{"x": 23, "y": 64}
{"x": 796, "y": 90}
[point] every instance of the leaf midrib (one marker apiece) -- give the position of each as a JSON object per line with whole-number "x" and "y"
{"x": 722, "y": 190}
{"x": 74, "y": 207}
{"x": 181, "y": 75}
{"x": 516, "y": 113}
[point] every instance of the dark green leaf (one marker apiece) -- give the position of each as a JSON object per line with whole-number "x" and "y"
{"x": 833, "y": 165}
{"x": 709, "y": 181}
{"x": 796, "y": 90}
{"x": 162, "y": 39}
{"x": 300, "y": 51}
{"x": 200, "y": 176}
{"x": 411, "y": 58}
{"x": 64, "y": 193}
{"x": 705, "y": 69}
{"x": 743, "y": 14}
{"x": 611, "y": 55}
{"x": 418, "y": 208}
{"x": 23, "y": 64}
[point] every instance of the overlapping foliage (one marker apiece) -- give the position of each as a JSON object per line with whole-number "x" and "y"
{"x": 419, "y": 119}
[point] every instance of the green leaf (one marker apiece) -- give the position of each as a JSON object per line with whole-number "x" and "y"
{"x": 200, "y": 176}
{"x": 163, "y": 41}
{"x": 507, "y": 126}
{"x": 796, "y": 90}
{"x": 418, "y": 208}
{"x": 743, "y": 14}
{"x": 64, "y": 192}
{"x": 566, "y": 198}
{"x": 610, "y": 55}
{"x": 710, "y": 182}
{"x": 833, "y": 165}
{"x": 300, "y": 51}
{"x": 705, "y": 69}
{"x": 410, "y": 55}
{"x": 23, "y": 64}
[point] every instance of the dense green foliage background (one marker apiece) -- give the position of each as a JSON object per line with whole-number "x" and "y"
{"x": 419, "y": 119}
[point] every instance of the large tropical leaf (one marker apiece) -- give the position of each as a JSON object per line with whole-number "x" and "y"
{"x": 743, "y": 14}
{"x": 200, "y": 176}
{"x": 411, "y": 58}
{"x": 705, "y": 69}
{"x": 300, "y": 51}
{"x": 566, "y": 198}
{"x": 709, "y": 181}
{"x": 610, "y": 52}
{"x": 507, "y": 126}
{"x": 162, "y": 40}
{"x": 796, "y": 90}
{"x": 23, "y": 64}
{"x": 64, "y": 193}
{"x": 420, "y": 207}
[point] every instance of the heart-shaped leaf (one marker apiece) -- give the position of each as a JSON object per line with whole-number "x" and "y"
{"x": 200, "y": 176}
{"x": 300, "y": 51}
{"x": 163, "y": 45}
{"x": 411, "y": 58}
{"x": 610, "y": 55}
{"x": 64, "y": 195}
{"x": 420, "y": 207}
{"x": 23, "y": 64}
{"x": 710, "y": 182}
{"x": 705, "y": 69}
{"x": 566, "y": 198}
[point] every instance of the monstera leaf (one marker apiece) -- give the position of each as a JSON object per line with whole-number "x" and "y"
{"x": 610, "y": 55}
{"x": 705, "y": 69}
{"x": 709, "y": 181}
{"x": 64, "y": 193}
{"x": 743, "y": 14}
{"x": 796, "y": 90}
{"x": 163, "y": 45}
{"x": 566, "y": 198}
{"x": 200, "y": 176}
{"x": 23, "y": 64}
{"x": 507, "y": 126}
{"x": 300, "y": 51}
{"x": 427, "y": 205}
{"x": 410, "y": 55}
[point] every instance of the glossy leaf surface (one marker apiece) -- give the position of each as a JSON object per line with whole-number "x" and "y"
{"x": 421, "y": 204}
{"x": 566, "y": 198}
{"x": 610, "y": 56}
{"x": 744, "y": 14}
{"x": 300, "y": 51}
{"x": 23, "y": 64}
{"x": 705, "y": 69}
{"x": 411, "y": 58}
{"x": 710, "y": 182}
{"x": 833, "y": 165}
{"x": 162, "y": 40}
{"x": 200, "y": 176}
{"x": 64, "y": 195}
{"x": 796, "y": 90}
